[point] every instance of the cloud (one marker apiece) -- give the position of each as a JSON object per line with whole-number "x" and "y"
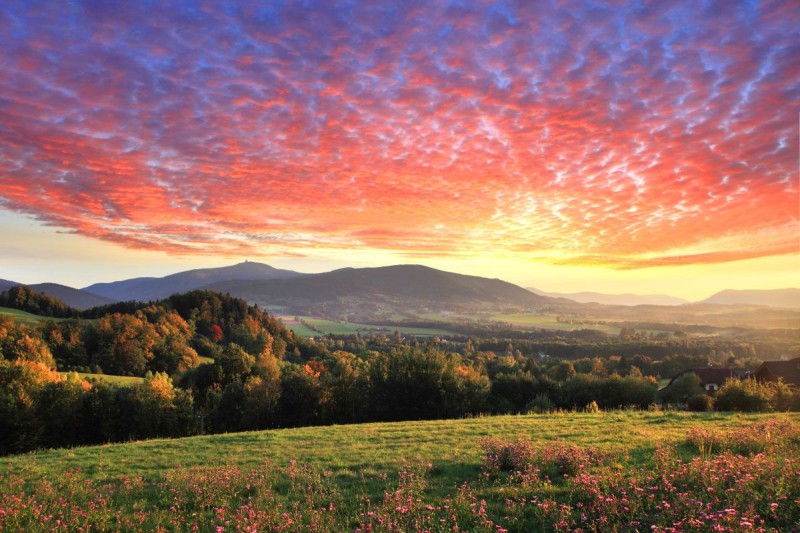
{"x": 576, "y": 132}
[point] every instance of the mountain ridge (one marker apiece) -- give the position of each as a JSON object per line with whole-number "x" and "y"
{"x": 154, "y": 288}
{"x": 354, "y": 290}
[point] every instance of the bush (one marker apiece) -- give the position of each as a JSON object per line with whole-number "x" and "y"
{"x": 699, "y": 403}
{"x": 591, "y": 407}
{"x": 541, "y": 404}
{"x": 749, "y": 396}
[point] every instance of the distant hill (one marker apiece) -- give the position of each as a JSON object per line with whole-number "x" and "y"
{"x": 74, "y": 298}
{"x": 615, "y": 299}
{"x": 787, "y": 298}
{"x": 6, "y": 284}
{"x": 145, "y": 289}
{"x": 383, "y": 290}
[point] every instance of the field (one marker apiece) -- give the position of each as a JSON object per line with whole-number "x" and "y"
{"x": 515, "y": 473}
{"x": 334, "y": 327}
{"x": 117, "y": 380}
{"x": 527, "y": 321}
{"x": 297, "y": 327}
{"x": 23, "y": 317}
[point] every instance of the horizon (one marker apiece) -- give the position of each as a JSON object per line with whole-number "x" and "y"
{"x": 572, "y": 148}
{"x": 530, "y": 288}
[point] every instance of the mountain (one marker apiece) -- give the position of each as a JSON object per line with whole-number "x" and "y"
{"x": 145, "y": 289}
{"x": 383, "y": 291}
{"x": 614, "y": 299}
{"x": 74, "y": 298}
{"x": 5, "y": 284}
{"x": 788, "y": 298}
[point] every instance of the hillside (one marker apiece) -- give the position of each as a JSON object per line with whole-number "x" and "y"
{"x": 148, "y": 288}
{"x": 614, "y": 299}
{"x": 787, "y": 298}
{"x": 75, "y": 298}
{"x": 393, "y": 289}
{"x": 422, "y": 476}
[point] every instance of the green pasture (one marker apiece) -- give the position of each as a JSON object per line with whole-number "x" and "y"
{"x": 298, "y": 328}
{"x": 28, "y": 319}
{"x": 116, "y": 380}
{"x": 348, "y": 451}
{"x": 529, "y": 321}
{"x": 332, "y": 327}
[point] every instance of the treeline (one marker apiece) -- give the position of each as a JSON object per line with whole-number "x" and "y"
{"x": 239, "y": 391}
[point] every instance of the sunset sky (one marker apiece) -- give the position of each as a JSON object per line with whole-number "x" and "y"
{"x": 646, "y": 146}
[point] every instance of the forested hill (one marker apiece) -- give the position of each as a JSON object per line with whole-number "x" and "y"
{"x": 399, "y": 288}
{"x": 29, "y": 300}
{"x": 147, "y": 289}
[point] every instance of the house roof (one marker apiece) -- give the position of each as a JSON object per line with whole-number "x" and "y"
{"x": 789, "y": 371}
{"x": 714, "y": 375}
{"x": 709, "y": 375}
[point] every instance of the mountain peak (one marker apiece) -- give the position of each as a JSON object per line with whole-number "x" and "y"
{"x": 144, "y": 289}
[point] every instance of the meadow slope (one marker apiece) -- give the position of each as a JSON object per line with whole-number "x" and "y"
{"x": 512, "y": 473}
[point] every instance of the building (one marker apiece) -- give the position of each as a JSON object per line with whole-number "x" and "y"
{"x": 788, "y": 371}
{"x": 711, "y": 379}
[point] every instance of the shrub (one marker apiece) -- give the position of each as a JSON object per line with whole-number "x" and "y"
{"x": 747, "y": 395}
{"x": 699, "y": 403}
{"x": 541, "y": 404}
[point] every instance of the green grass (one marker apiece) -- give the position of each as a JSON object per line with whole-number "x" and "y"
{"x": 333, "y": 327}
{"x": 453, "y": 475}
{"x": 349, "y": 450}
{"x": 527, "y": 321}
{"x": 297, "y": 327}
{"x": 116, "y": 380}
{"x": 28, "y": 319}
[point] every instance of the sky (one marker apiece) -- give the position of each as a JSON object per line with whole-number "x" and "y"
{"x": 643, "y": 146}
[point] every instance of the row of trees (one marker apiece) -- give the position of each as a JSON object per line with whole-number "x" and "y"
{"x": 39, "y": 407}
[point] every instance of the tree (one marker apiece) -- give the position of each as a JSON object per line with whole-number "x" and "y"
{"x": 65, "y": 340}
{"x": 161, "y": 410}
{"x": 344, "y": 387}
{"x": 20, "y": 342}
{"x": 262, "y": 392}
{"x": 58, "y": 410}
{"x": 21, "y": 384}
{"x": 682, "y": 388}
{"x": 234, "y": 363}
{"x": 300, "y": 395}
{"x": 121, "y": 344}
{"x": 562, "y": 371}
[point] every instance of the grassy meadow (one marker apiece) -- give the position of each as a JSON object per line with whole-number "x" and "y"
{"x": 106, "y": 378}
{"x": 28, "y": 319}
{"x": 333, "y": 327}
{"x": 513, "y": 473}
{"x": 531, "y": 321}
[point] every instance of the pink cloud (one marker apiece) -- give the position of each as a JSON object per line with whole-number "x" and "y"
{"x": 611, "y": 136}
